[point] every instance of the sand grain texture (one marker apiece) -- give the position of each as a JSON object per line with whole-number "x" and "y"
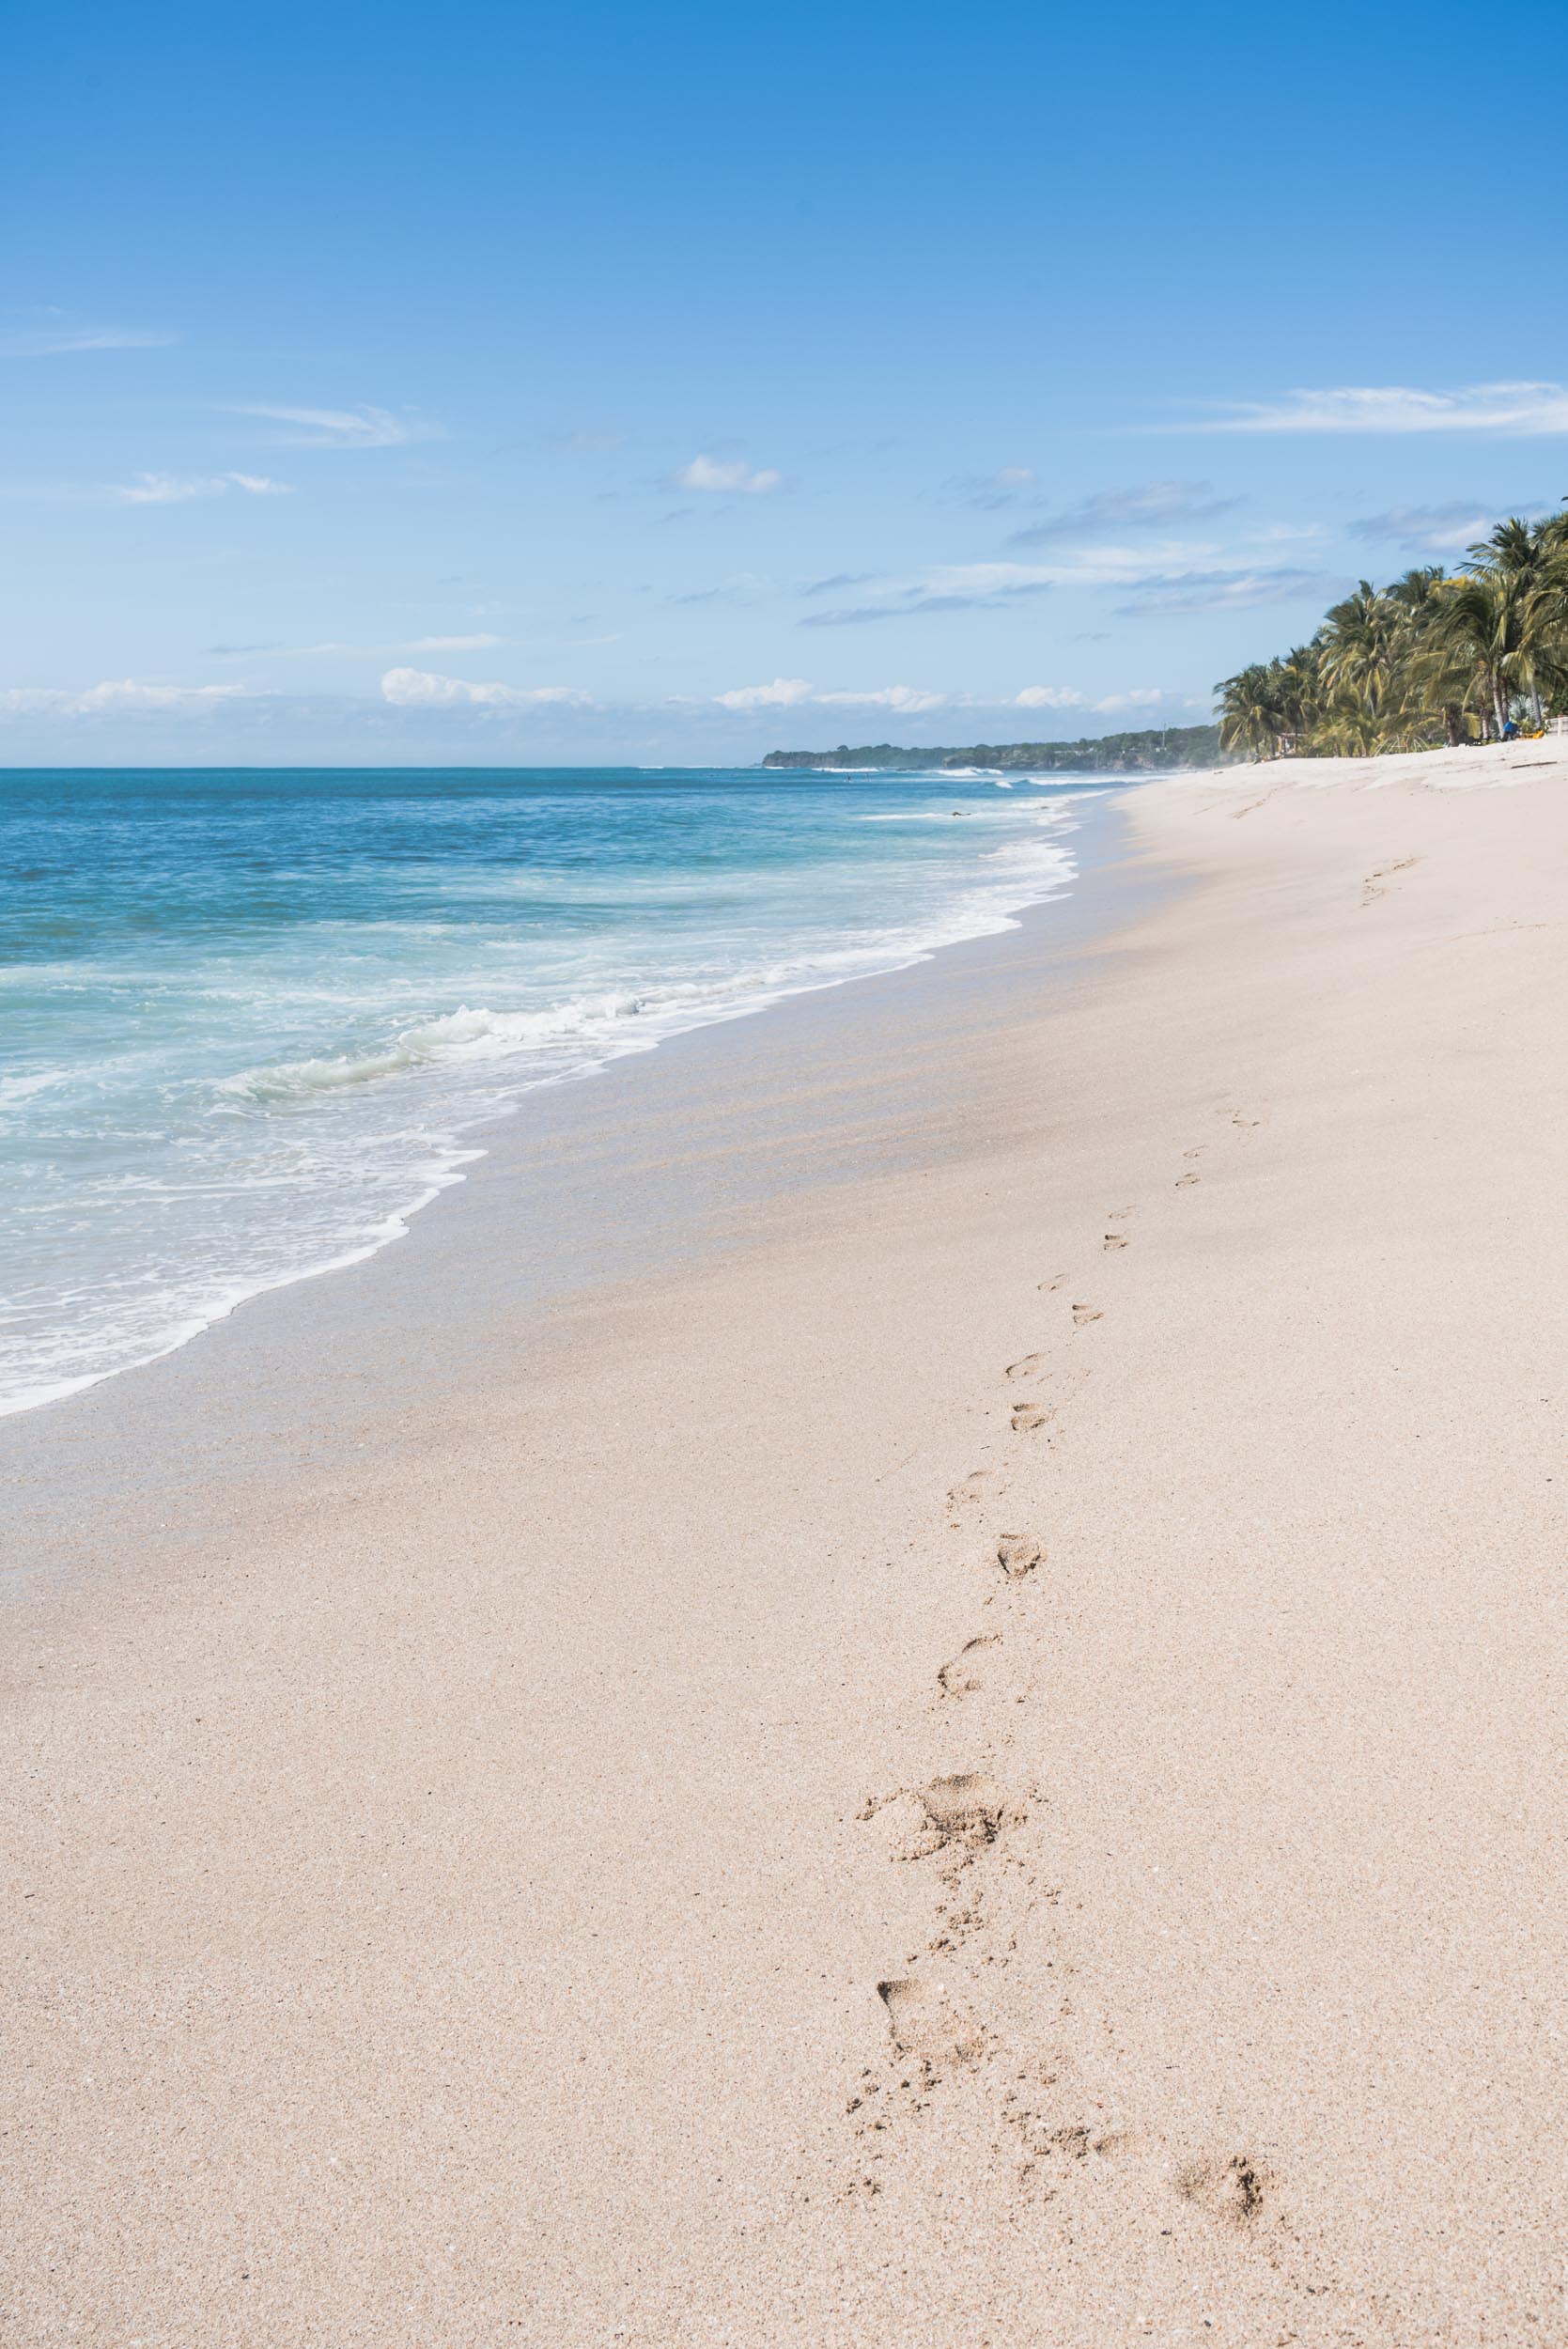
{"x": 939, "y": 1779}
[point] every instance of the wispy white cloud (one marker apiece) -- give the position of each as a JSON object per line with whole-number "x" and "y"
{"x": 741, "y": 587}
{"x": 1164, "y": 577}
{"x": 792, "y": 692}
{"x": 1508, "y": 410}
{"x": 423, "y": 689}
{"x": 985, "y": 491}
{"x": 908, "y": 698}
{"x": 949, "y": 588}
{"x": 164, "y": 489}
{"x": 784, "y": 694}
{"x": 993, "y": 586}
{"x": 62, "y": 341}
{"x": 124, "y": 693}
{"x": 729, "y": 476}
{"x": 998, "y": 578}
{"x": 839, "y": 580}
{"x": 1149, "y": 504}
{"x": 1431, "y": 529}
{"x": 1068, "y": 697}
{"x": 1240, "y": 590}
{"x": 345, "y": 427}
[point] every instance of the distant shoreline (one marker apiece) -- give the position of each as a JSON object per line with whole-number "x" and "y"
{"x": 1155, "y": 750}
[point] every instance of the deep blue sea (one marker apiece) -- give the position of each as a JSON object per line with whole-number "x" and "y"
{"x": 251, "y": 1021}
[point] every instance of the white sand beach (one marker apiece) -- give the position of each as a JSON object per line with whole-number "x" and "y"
{"x": 983, "y": 1764}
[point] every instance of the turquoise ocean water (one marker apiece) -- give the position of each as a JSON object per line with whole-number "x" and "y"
{"x": 251, "y": 1021}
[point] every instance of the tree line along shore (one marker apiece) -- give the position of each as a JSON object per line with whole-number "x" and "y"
{"x": 1435, "y": 657}
{"x": 1155, "y": 750}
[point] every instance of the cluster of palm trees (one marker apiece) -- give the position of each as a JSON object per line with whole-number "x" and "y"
{"x": 1432, "y": 658}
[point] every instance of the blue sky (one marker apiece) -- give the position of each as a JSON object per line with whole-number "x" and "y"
{"x": 512, "y": 388}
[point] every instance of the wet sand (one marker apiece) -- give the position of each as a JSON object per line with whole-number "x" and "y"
{"x": 982, "y": 1764}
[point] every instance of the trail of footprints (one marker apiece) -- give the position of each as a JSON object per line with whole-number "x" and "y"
{"x": 1373, "y": 886}
{"x": 963, "y": 1825}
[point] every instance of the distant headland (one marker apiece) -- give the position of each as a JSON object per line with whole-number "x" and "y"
{"x": 1155, "y": 750}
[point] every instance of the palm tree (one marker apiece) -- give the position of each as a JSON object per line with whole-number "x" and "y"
{"x": 1424, "y": 659}
{"x": 1300, "y": 692}
{"x": 1348, "y": 730}
{"x": 1504, "y": 621}
{"x": 1357, "y": 640}
{"x": 1251, "y": 718}
{"x": 1413, "y": 593}
{"x": 1529, "y": 563}
{"x": 1407, "y": 719}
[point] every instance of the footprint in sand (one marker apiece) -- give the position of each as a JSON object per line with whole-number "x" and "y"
{"x": 1084, "y": 1315}
{"x": 1370, "y": 889}
{"x": 1072, "y": 2139}
{"x": 971, "y": 1489}
{"x": 968, "y": 1809}
{"x": 1046, "y": 1287}
{"x": 1231, "y": 2187}
{"x": 963, "y": 1814}
{"x": 1029, "y": 1415}
{"x": 1190, "y": 1176}
{"x": 966, "y": 1674}
{"x": 1027, "y": 1366}
{"x": 1016, "y": 1555}
{"x": 925, "y": 2023}
{"x": 1114, "y": 1240}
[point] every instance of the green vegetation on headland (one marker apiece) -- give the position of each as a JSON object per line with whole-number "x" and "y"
{"x": 1155, "y": 750}
{"x": 1430, "y": 660}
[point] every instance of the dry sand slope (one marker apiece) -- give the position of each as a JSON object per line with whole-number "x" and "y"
{"x": 990, "y": 1770}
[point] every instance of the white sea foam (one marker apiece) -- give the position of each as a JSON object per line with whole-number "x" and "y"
{"x": 940, "y": 815}
{"x": 203, "y": 1183}
{"x": 15, "y": 1090}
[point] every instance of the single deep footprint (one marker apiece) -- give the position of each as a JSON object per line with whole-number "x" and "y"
{"x": 1029, "y": 1415}
{"x": 1016, "y": 1555}
{"x": 1044, "y": 2136}
{"x": 966, "y": 1674}
{"x": 1231, "y": 2187}
{"x": 925, "y": 2023}
{"x": 1084, "y": 1315}
{"x": 968, "y": 1809}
